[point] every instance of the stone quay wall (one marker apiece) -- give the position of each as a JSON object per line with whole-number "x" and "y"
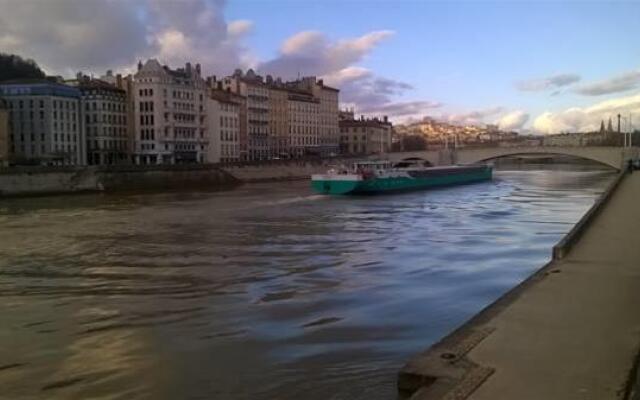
{"x": 27, "y": 181}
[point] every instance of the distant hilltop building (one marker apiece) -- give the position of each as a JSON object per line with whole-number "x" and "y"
{"x": 440, "y": 134}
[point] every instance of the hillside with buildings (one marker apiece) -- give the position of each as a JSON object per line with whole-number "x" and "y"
{"x": 438, "y": 134}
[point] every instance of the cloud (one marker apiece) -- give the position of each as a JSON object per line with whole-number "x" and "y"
{"x": 312, "y": 53}
{"x": 475, "y": 117}
{"x": 371, "y": 94}
{"x": 508, "y": 120}
{"x": 620, "y": 83}
{"x": 403, "y": 109}
{"x": 198, "y": 32}
{"x": 586, "y": 119}
{"x": 346, "y": 75}
{"x": 113, "y": 34}
{"x": 513, "y": 120}
{"x": 550, "y": 82}
{"x": 73, "y": 34}
{"x": 239, "y": 27}
{"x": 307, "y": 43}
{"x": 95, "y": 35}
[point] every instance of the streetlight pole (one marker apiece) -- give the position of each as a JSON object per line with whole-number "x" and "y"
{"x": 630, "y": 131}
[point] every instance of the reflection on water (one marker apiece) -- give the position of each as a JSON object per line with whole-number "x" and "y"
{"x": 267, "y": 291}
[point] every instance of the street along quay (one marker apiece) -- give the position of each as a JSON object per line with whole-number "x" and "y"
{"x": 570, "y": 331}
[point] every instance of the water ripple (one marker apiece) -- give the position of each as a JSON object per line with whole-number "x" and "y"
{"x": 239, "y": 295}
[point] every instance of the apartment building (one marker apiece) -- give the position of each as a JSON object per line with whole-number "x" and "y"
{"x": 285, "y": 119}
{"x": 365, "y": 135}
{"x": 125, "y": 83}
{"x": 279, "y": 136}
{"x": 45, "y": 123}
{"x": 303, "y": 123}
{"x": 170, "y": 115}
{"x": 105, "y": 113}
{"x": 255, "y": 139}
{"x": 224, "y": 113}
{"x": 328, "y": 112}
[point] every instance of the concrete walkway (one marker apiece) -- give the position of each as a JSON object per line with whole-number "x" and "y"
{"x": 574, "y": 333}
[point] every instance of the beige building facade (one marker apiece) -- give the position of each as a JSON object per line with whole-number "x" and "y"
{"x": 224, "y": 127}
{"x": 329, "y": 129}
{"x": 256, "y": 137}
{"x": 280, "y": 142}
{"x": 125, "y": 83}
{"x": 286, "y": 119}
{"x": 328, "y": 113}
{"x": 365, "y": 136}
{"x": 106, "y": 119}
{"x": 170, "y": 115}
{"x": 303, "y": 124}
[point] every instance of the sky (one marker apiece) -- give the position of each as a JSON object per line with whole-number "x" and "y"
{"x": 532, "y": 66}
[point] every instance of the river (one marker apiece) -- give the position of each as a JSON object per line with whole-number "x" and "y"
{"x": 266, "y": 291}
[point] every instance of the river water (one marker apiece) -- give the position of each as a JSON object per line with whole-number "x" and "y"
{"x": 266, "y": 291}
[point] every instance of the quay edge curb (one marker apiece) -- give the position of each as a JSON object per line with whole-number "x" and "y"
{"x": 563, "y": 247}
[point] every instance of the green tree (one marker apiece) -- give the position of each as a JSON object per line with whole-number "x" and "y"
{"x": 15, "y": 67}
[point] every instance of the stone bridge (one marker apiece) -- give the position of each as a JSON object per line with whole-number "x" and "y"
{"x": 614, "y": 157}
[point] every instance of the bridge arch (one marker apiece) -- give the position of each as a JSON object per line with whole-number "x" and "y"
{"x": 610, "y": 156}
{"x": 542, "y": 154}
{"x": 614, "y": 157}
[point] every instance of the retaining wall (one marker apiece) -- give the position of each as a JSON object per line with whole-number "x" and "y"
{"x": 25, "y": 181}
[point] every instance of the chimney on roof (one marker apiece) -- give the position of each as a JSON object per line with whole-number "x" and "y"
{"x": 188, "y": 68}
{"x": 385, "y": 119}
{"x": 139, "y": 65}
{"x": 198, "y": 69}
{"x": 119, "y": 81}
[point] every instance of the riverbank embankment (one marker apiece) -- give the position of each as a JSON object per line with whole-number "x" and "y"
{"x": 570, "y": 331}
{"x": 26, "y": 181}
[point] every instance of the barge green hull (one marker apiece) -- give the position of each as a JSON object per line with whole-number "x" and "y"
{"x": 383, "y": 185}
